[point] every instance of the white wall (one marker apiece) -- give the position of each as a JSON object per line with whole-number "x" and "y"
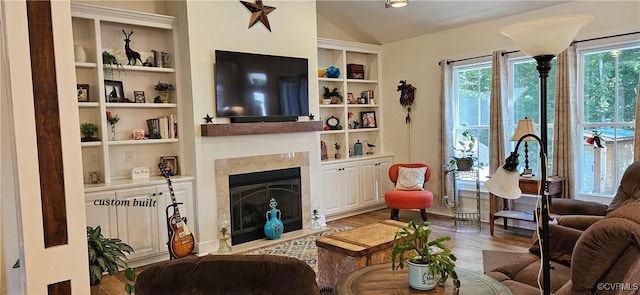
{"x": 416, "y": 60}
{"x": 224, "y": 25}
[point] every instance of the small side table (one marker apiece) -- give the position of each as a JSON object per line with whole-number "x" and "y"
{"x": 379, "y": 279}
{"x": 466, "y": 216}
{"x": 529, "y": 186}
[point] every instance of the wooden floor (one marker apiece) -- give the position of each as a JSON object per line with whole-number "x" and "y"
{"x": 467, "y": 243}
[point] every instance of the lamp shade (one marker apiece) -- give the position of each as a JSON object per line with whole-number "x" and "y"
{"x": 525, "y": 126}
{"x": 504, "y": 184}
{"x": 546, "y": 36}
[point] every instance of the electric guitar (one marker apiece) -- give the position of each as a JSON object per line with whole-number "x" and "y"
{"x": 181, "y": 241}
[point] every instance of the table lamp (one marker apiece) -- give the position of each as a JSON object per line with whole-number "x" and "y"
{"x": 524, "y": 127}
{"x": 541, "y": 39}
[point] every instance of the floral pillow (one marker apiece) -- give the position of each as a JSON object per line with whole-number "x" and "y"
{"x": 410, "y": 179}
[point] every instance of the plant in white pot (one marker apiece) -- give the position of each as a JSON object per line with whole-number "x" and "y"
{"x": 429, "y": 261}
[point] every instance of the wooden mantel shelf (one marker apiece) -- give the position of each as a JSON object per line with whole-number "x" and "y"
{"x": 259, "y": 128}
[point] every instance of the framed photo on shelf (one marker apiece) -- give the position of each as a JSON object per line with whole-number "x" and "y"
{"x": 350, "y": 98}
{"x": 83, "y": 92}
{"x": 368, "y": 119}
{"x": 171, "y": 164}
{"x": 139, "y": 96}
{"x": 113, "y": 91}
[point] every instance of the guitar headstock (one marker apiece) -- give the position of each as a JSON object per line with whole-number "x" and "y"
{"x": 164, "y": 170}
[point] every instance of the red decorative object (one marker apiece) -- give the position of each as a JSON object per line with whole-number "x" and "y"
{"x": 595, "y": 139}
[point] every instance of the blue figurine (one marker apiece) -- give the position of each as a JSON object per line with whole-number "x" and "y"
{"x": 273, "y": 228}
{"x": 332, "y": 72}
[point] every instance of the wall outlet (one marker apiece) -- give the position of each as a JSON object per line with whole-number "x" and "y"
{"x": 129, "y": 157}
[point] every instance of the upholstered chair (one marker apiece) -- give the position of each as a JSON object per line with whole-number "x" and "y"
{"x": 580, "y": 214}
{"x": 409, "y": 192}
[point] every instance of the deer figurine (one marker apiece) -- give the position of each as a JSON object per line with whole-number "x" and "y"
{"x": 131, "y": 55}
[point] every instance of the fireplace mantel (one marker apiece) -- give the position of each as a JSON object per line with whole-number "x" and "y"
{"x": 259, "y": 128}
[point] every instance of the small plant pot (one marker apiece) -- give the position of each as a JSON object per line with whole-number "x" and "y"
{"x": 420, "y": 277}
{"x": 464, "y": 164}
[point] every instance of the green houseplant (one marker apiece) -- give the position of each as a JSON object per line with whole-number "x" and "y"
{"x": 413, "y": 246}
{"x": 110, "y": 62}
{"x": 88, "y": 130}
{"x": 465, "y": 156}
{"x": 105, "y": 254}
{"x": 334, "y": 95}
{"x": 130, "y": 276}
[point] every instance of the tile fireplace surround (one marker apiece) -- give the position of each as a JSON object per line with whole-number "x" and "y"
{"x": 232, "y": 166}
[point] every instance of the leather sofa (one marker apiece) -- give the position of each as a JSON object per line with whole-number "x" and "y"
{"x": 581, "y": 214}
{"x": 605, "y": 258}
{"x": 228, "y": 274}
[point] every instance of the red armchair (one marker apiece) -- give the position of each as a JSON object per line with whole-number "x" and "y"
{"x": 397, "y": 199}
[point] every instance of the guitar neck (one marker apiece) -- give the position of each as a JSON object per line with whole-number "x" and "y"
{"x": 173, "y": 198}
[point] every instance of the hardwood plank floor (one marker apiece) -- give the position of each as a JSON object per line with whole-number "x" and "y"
{"x": 467, "y": 243}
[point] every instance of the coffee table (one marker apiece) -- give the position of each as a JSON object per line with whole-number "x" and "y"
{"x": 379, "y": 279}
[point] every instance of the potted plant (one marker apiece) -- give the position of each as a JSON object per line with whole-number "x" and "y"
{"x": 164, "y": 91}
{"x": 110, "y": 62}
{"x": 88, "y": 130}
{"x": 105, "y": 254}
{"x": 429, "y": 261}
{"x": 465, "y": 152}
{"x": 334, "y": 95}
{"x": 130, "y": 276}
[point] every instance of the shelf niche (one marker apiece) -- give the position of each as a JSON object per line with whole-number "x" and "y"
{"x": 231, "y": 129}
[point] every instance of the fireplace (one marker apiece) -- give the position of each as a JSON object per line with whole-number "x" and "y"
{"x": 249, "y": 196}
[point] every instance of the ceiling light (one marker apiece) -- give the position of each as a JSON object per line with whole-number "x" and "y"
{"x": 396, "y": 3}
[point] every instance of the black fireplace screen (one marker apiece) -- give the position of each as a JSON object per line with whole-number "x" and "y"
{"x": 249, "y": 198}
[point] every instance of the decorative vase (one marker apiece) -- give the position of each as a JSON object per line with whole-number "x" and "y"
{"x": 112, "y": 132}
{"x": 420, "y": 277}
{"x": 164, "y": 96}
{"x": 273, "y": 228}
{"x": 80, "y": 53}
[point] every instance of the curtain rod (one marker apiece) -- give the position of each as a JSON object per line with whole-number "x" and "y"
{"x": 514, "y": 51}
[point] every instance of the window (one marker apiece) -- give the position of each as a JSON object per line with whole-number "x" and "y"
{"x": 608, "y": 85}
{"x": 472, "y": 93}
{"x": 525, "y": 99}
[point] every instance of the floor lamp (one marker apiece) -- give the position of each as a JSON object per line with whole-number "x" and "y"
{"x": 541, "y": 39}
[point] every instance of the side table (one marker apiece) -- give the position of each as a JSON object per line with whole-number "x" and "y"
{"x": 379, "y": 279}
{"x": 529, "y": 186}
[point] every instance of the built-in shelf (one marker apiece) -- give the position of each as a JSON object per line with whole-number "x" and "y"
{"x": 259, "y": 128}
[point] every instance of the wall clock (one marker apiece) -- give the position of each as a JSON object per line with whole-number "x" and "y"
{"x": 333, "y": 122}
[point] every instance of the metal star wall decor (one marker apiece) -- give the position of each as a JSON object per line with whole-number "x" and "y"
{"x": 259, "y": 13}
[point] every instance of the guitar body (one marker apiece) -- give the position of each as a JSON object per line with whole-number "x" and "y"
{"x": 181, "y": 240}
{"x": 181, "y": 243}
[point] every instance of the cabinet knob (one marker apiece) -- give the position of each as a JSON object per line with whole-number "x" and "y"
{"x": 153, "y": 195}
{"x": 160, "y": 193}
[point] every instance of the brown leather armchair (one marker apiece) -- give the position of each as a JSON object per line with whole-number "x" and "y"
{"x": 580, "y": 214}
{"x": 604, "y": 260}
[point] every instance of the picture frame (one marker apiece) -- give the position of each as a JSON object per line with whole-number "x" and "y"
{"x": 368, "y": 119}
{"x": 138, "y": 96}
{"x": 113, "y": 91}
{"x": 350, "y": 98}
{"x": 171, "y": 164}
{"x": 83, "y": 92}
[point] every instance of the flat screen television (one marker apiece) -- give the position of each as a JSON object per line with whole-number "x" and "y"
{"x": 256, "y": 87}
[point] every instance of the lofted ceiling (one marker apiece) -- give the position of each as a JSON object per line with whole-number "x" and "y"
{"x": 369, "y": 21}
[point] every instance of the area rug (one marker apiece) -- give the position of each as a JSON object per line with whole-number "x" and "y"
{"x": 303, "y": 248}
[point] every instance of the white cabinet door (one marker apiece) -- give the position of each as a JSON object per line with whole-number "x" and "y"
{"x": 138, "y": 220}
{"x": 330, "y": 183}
{"x": 350, "y": 179}
{"x": 340, "y": 187}
{"x": 375, "y": 180}
{"x": 101, "y": 211}
{"x": 182, "y": 192}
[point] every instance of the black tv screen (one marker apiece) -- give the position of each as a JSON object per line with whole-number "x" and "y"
{"x": 257, "y": 86}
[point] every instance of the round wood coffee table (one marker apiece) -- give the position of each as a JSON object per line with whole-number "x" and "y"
{"x": 379, "y": 279}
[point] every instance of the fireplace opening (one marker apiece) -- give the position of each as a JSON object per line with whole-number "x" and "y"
{"x": 249, "y": 196}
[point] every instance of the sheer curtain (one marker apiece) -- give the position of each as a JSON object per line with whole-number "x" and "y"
{"x": 446, "y": 124}
{"x": 564, "y": 125}
{"x": 498, "y": 110}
